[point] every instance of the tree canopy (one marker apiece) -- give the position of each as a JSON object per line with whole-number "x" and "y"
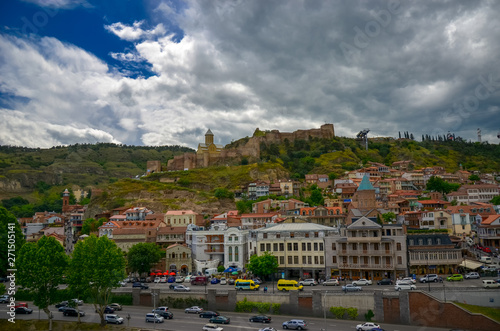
{"x": 143, "y": 256}
{"x": 92, "y": 225}
{"x": 40, "y": 269}
{"x": 496, "y": 200}
{"x": 96, "y": 267}
{"x": 389, "y": 217}
{"x": 7, "y": 223}
{"x": 438, "y": 184}
{"x": 263, "y": 265}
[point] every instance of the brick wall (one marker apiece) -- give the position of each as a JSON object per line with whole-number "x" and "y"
{"x": 391, "y": 310}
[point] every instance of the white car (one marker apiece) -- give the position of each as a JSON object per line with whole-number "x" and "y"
{"x": 331, "y": 282}
{"x": 179, "y": 279}
{"x": 187, "y": 279}
{"x": 163, "y": 280}
{"x": 308, "y": 282}
{"x": 212, "y": 327}
{"x": 223, "y": 281}
{"x": 154, "y": 318}
{"x": 113, "y": 318}
{"x": 181, "y": 288}
{"x": 405, "y": 286}
{"x": 407, "y": 280}
{"x": 472, "y": 275}
{"x": 194, "y": 309}
{"x": 366, "y": 326}
{"x": 157, "y": 280}
{"x": 362, "y": 281}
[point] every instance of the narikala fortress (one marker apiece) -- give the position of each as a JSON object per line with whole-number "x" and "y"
{"x": 210, "y": 154}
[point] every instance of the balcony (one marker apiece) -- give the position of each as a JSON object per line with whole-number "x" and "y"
{"x": 369, "y": 252}
{"x": 364, "y": 239}
{"x": 369, "y": 266}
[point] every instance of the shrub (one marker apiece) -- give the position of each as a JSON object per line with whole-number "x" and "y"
{"x": 369, "y": 315}
{"x": 338, "y": 312}
{"x": 262, "y": 307}
{"x": 122, "y": 299}
{"x": 183, "y": 302}
{"x": 352, "y": 313}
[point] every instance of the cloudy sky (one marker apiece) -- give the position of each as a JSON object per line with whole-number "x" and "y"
{"x": 159, "y": 72}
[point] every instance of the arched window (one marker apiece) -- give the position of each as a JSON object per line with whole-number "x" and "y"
{"x": 236, "y": 253}
{"x": 230, "y": 254}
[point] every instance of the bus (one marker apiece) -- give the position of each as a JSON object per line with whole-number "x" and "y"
{"x": 245, "y": 284}
{"x": 289, "y": 285}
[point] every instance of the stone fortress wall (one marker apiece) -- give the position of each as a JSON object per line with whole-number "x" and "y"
{"x": 250, "y": 149}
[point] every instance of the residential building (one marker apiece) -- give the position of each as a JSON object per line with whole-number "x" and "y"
{"x": 290, "y": 188}
{"x": 182, "y": 218}
{"x": 178, "y": 259}
{"x": 432, "y": 253}
{"x": 366, "y": 249}
{"x": 320, "y": 180}
{"x": 270, "y": 205}
{"x": 298, "y": 247}
{"x": 255, "y": 221}
{"x": 474, "y": 193}
{"x": 236, "y": 253}
{"x": 489, "y": 232}
{"x": 328, "y": 216}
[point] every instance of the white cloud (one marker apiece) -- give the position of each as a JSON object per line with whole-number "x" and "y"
{"x": 65, "y": 4}
{"x": 135, "y": 31}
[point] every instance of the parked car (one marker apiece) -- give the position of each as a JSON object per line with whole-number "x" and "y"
{"x": 157, "y": 280}
{"x": 209, "y": 314}
{"x": 4, "y": 299}
{"x": 141, "y": 285}
{"x": 187, "y": 279}
{"x": 430, "y": 278}
{"x": 295, "y": 325}
{"x": 73, "y": 312}
{"x": 472, "y": 275}
{"x": 78, "y": 302}
{"x": 122, "y": 283}
{"x": 215, "y": 280}
{"x": 223, "y": 281}
{"x": 163, "y": 279}
{"x": 179, "y": 279}
{"x": 116, "y": 306}
{"x": 407, "y": 280}
{"x": 405, "y": 286}
{"x": 114, "y": 319}
{"x": 489, "y": 268}
{"x": 351, "y": 288}
{"x": 486, "y": 250}
{"x": 63, "y": 308}
{"x": 366, "y": 326}
{"x": 308, "y": 282}
{"x": 361, "y": 281}
{"x": 384, "y": 281}
{"x": 230, "y": 281}
{"x": 62, "y": 304}
{"x": 194, "y": 309}
{"x": 212, "y": 327}
{"x": 260, "y": 319}
{"x": 490, "y": 283}
{"x": 455, "y": 278}
{"x": 331, "y": 282}
{"x": 220, "y": 320}
{"x": 171, "y": 279}
{"x": 154, "y": 318}
{"x": 23, "y": 310}
{"x": 181, "y": 288}
{"x": 268, "y": 328}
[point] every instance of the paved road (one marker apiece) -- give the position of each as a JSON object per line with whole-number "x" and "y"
{"x": 187, "y": 322}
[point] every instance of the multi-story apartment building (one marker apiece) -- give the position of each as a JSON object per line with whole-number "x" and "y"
{"x": 183, "y": 218}
{"x": 236, "y": 248}
{"x": 137, "y": 213}
{"x": 436, "y": 219}
{"x": 255, "y": 221}
{"x": 290, "y": 188}
{"x": 366, "y": 249}
{"x": 298, "y": 247}
{"x": 206, "y": 245}
{"x": 432, "y": 253}
{"x": 328, "y": 216}
{"x": 270, "y": 205}
{"x": 416, "y": 178}
{"x": 474, "y": 193}
{"x": 489, "y": 232}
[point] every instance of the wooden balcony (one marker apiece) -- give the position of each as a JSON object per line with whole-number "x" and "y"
{"x": 364, "y": 239}
{"x": 369, "y": 266}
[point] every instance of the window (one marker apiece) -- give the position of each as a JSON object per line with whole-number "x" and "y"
{"x": 354, "y": 247}
{"x": 398, "y": 246}
{"x": 334, "y": 259}
{"x": 321, "y": 246}
{"x": 268, "y": 247}
{"x": 400, "y": 260}
{"x": 316, "y": 234}
{"x": 264, "y": 235}
{"x": 315, "y": 247}
{"x": 316, "y": 260}
{"x": 309, "y": 247}
{"x": 334, "y": 247}
{"x": 282, "y": 247}
{"x": 275, "y": 247}
{"x": 321, "y": 259}
{"x": 282, "y": 260}
{"x": 290, "y": 261}
{"x": 262, "y": 247}
{"x": 303, "y": 246}
{"x": 309, "y": 258}
{"x": 278, "y": 235}
{"x": 292, "y": 235}
{"x": 296, "y": 260}
{"x": 236, "y": 254}
{"x": 304, "y": 260}
{"x": 230, "y": 239}
{"x": 289, "y": 246}
{"x": 295, "y": 246}
{"x": 375, "y": 247}
{"x": 307, "y": 235}
{"x": 230, "y": 254}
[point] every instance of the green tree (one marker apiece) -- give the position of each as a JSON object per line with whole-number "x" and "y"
{"x": 97, "y": 266}
{"x": 10, "y": 234}
{"x": 220, "y": 268}
{"x": 92, "y": 225}
{"x": 389, "y": 217}
{"x": 474, "y": 178}
{"x": 221, "y": 193}
{"x": 438, "y": 184}
{"x": 40, "y": 269}
{"x": 143, "y": 256}
{"x": 496, "y": 200}
{"x": 263, "y": 265}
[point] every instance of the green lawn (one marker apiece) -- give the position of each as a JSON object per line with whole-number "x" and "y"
{"x": 493, "y": 313}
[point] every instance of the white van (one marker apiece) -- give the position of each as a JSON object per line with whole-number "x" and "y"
{"x": 485, "y": 259}
{"x": 210, "y": 271}
{"x": 490, "y": 283}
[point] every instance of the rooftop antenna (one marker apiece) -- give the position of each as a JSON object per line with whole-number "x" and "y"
{"x": 479, "y": 135}
{"x": 363, "y": 134}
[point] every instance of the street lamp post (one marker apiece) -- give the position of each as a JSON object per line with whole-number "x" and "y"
{"x": 324, "y": 308}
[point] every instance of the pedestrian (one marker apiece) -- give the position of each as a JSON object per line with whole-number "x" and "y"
{"x": 265, "y": 289}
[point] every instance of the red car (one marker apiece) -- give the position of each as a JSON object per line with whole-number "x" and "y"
{"x": 486, "y": 250}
